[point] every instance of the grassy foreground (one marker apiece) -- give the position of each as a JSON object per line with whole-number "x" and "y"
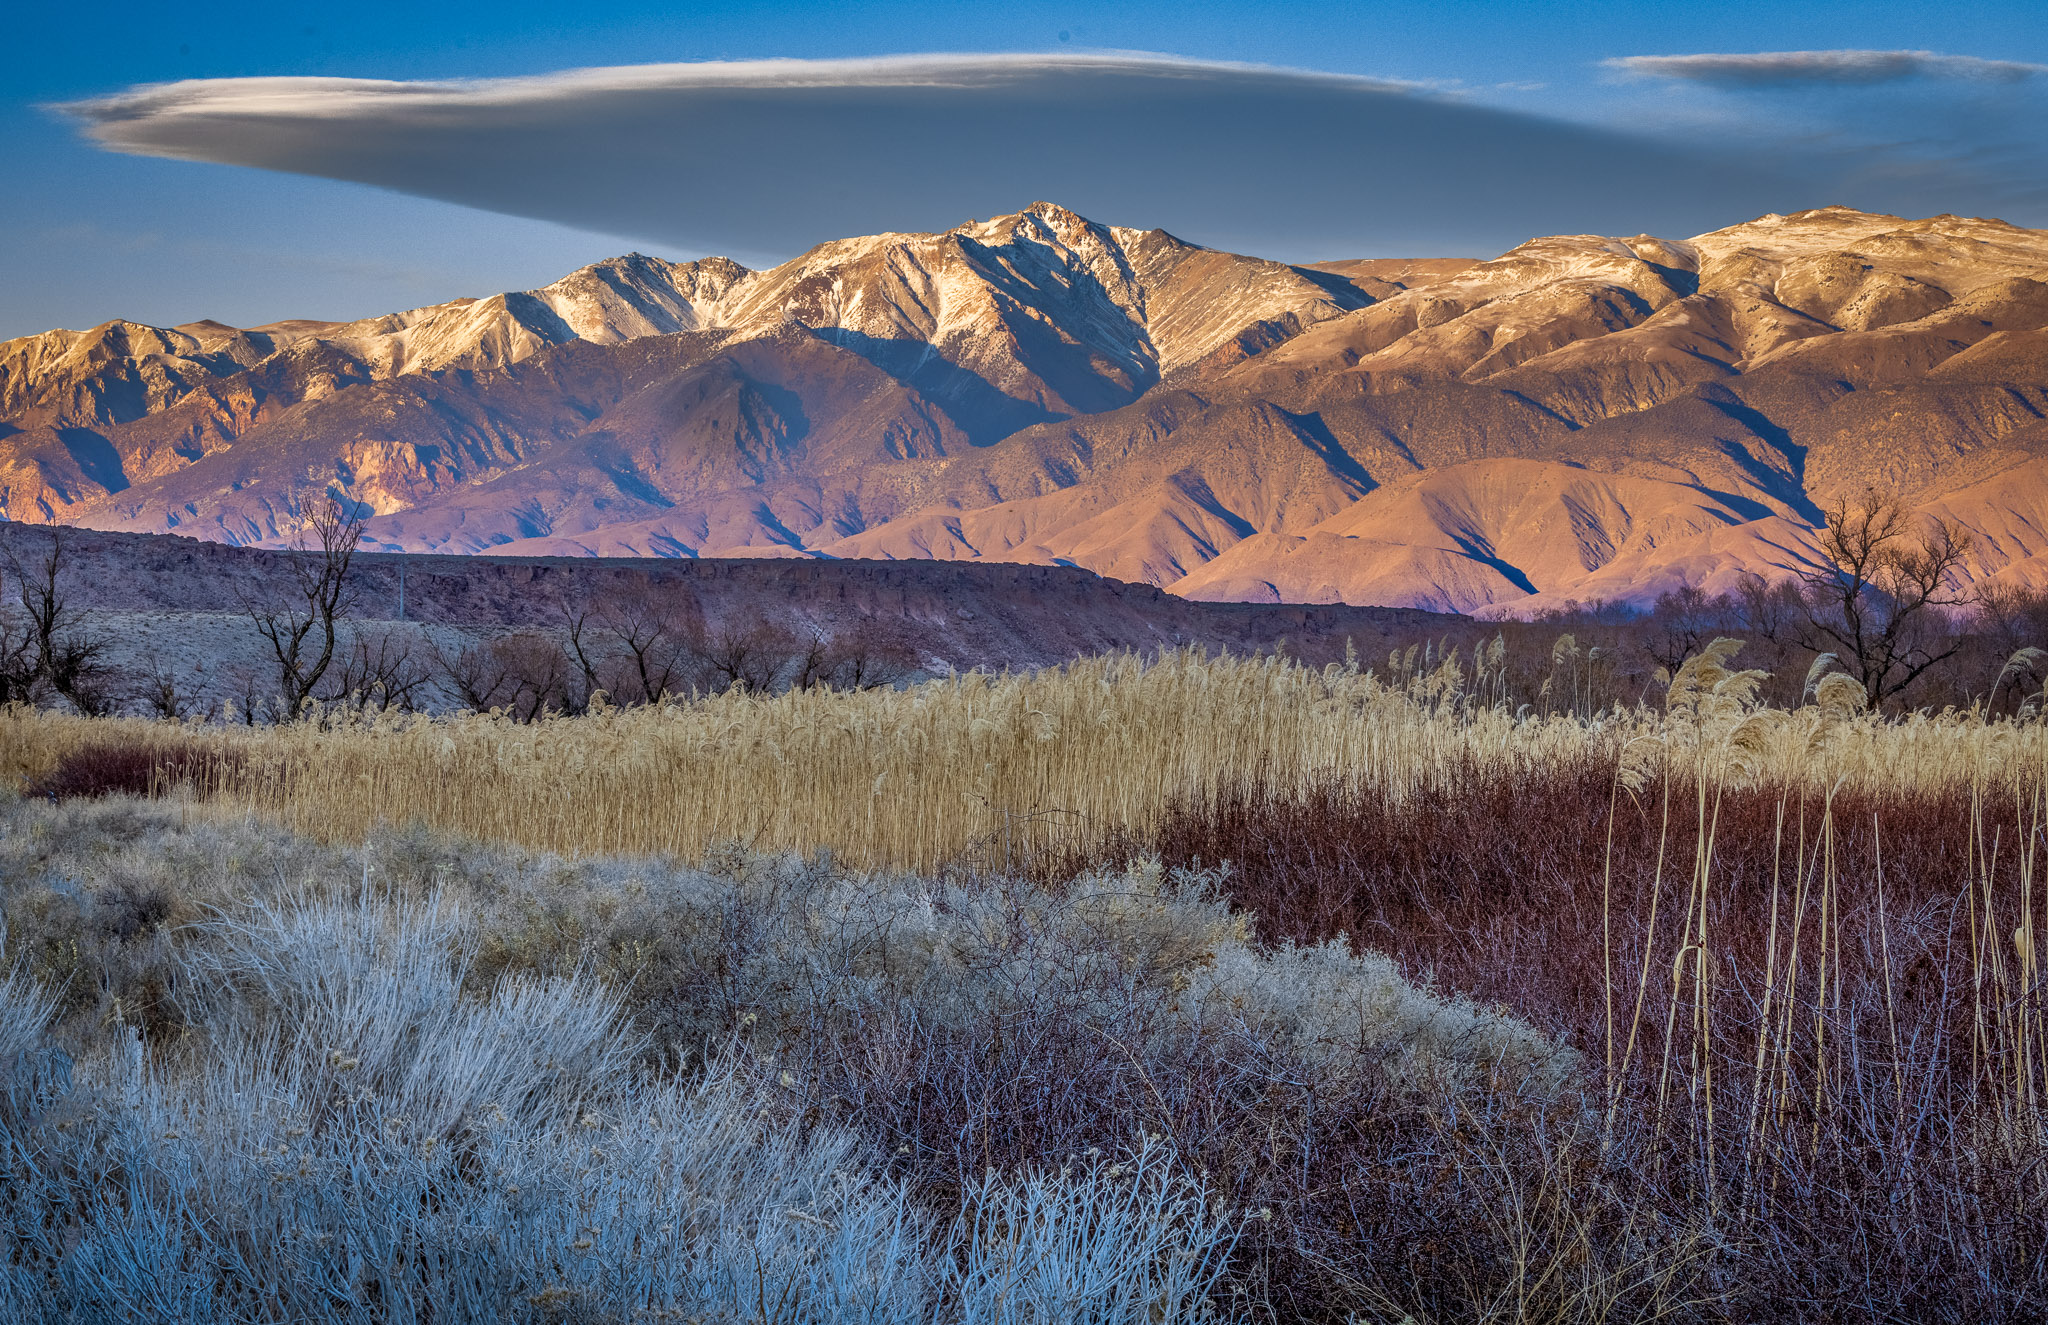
{"x": 1204, "y": 990}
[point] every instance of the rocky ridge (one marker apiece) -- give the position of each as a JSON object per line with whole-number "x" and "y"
{"x": 1584, "y": 416}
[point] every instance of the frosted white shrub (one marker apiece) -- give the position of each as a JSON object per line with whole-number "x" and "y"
{"x": 432, "y": 1165}
{"x": 426, "y": 1081}
{"x": 1130, "y": 1242}
{"x": 1344, "y": 1011}
{"x": 371, "y": 993}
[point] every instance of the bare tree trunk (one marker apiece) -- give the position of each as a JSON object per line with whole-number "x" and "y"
{"x": 53, "y": 654}
{"x": 1879, "y": 600}
{"x": 299, "y": 613}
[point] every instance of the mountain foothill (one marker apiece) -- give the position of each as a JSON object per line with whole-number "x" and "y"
{"x": 1582, "y": 418}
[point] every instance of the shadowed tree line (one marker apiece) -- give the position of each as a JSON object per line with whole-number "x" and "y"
{"x": 640, "y": 645}
{"x": 1885, "y": 603}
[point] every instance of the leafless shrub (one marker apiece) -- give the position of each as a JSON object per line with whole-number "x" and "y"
{"x": 1805, "y": 1007}
{"x": 382, "y": 669}
{"x": 300, "y": 609}
{"x": 50, "y": 654}
{"x": 525, "y": 675}
{"x": 132, "y": 768}
{"x": 165, "y": 695}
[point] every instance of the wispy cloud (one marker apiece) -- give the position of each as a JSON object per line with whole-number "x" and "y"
{"x": 1796, "y": 68}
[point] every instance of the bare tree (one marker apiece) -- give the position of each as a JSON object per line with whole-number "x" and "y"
{"x": 54, "y": 654}
{"x": 2013, "y": 616}
{"x": 814, "y": 664}
{"x": 544, "y": 679}
{"x": 871, "y": 657}
{"x": 2012, "y": 621}
{"x": 477, "y": 677}
{"x": 165, "y": 693}
{"x": 865, "y": 657}
{"x": 17, "y": 660}
{"x": 477, "y": 673}
{"x": 248, "y": 697}
{"x": 755, "y": 657}
{"x": 586, "y": 647}
{"x": 1878, "y": 598}
{"x": 636, "y": 645}
{"x": 652, "y": 628}
{"x": 299, "y": 611}
{"x": 524, "y": 675}
{"x": 381, "y": 669}
{"x": 1682, "y": 622}
{"x": 1767, "y": 608}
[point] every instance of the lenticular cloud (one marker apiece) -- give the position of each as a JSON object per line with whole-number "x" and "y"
{"x": 1795, "y": 68}
{"x": 768, "y": 157}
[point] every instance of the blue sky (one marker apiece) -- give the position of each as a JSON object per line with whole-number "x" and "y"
{"x": 88, "y": 234}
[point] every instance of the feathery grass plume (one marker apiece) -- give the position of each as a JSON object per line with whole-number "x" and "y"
{"x": 2024, "y": 662}
{"x": 1821, "y": 663}
{"x": 1701, "y": 673}
{"x": 1838, "y": 695}
{"x": 1709, "y": 693}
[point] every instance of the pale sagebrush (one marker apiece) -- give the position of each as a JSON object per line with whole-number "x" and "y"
{"x": 32, "y": 1071}
{"x": 1335, "y": 1010}
{"x": 371, "y": 991}
{"x": 1152, "y": 957}
{"x": 221, "y": 1198}
{"x": 1130, "y": 1241}
{"x": 786, "y": 954}
{"x": 355, "y": 1119}
{"x": 270, "y": 1176}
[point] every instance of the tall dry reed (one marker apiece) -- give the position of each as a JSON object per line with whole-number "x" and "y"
{"x": 999, "y": 766}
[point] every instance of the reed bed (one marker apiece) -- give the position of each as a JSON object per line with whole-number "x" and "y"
{"x": 1813, "y": 1017}
{"x": 996, "y": 767}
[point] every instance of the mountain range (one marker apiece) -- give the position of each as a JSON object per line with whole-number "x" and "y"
{"x": 1583, "y": 417}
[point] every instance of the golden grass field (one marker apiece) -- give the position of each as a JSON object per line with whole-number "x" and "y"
{"x": 914, "y": 777}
